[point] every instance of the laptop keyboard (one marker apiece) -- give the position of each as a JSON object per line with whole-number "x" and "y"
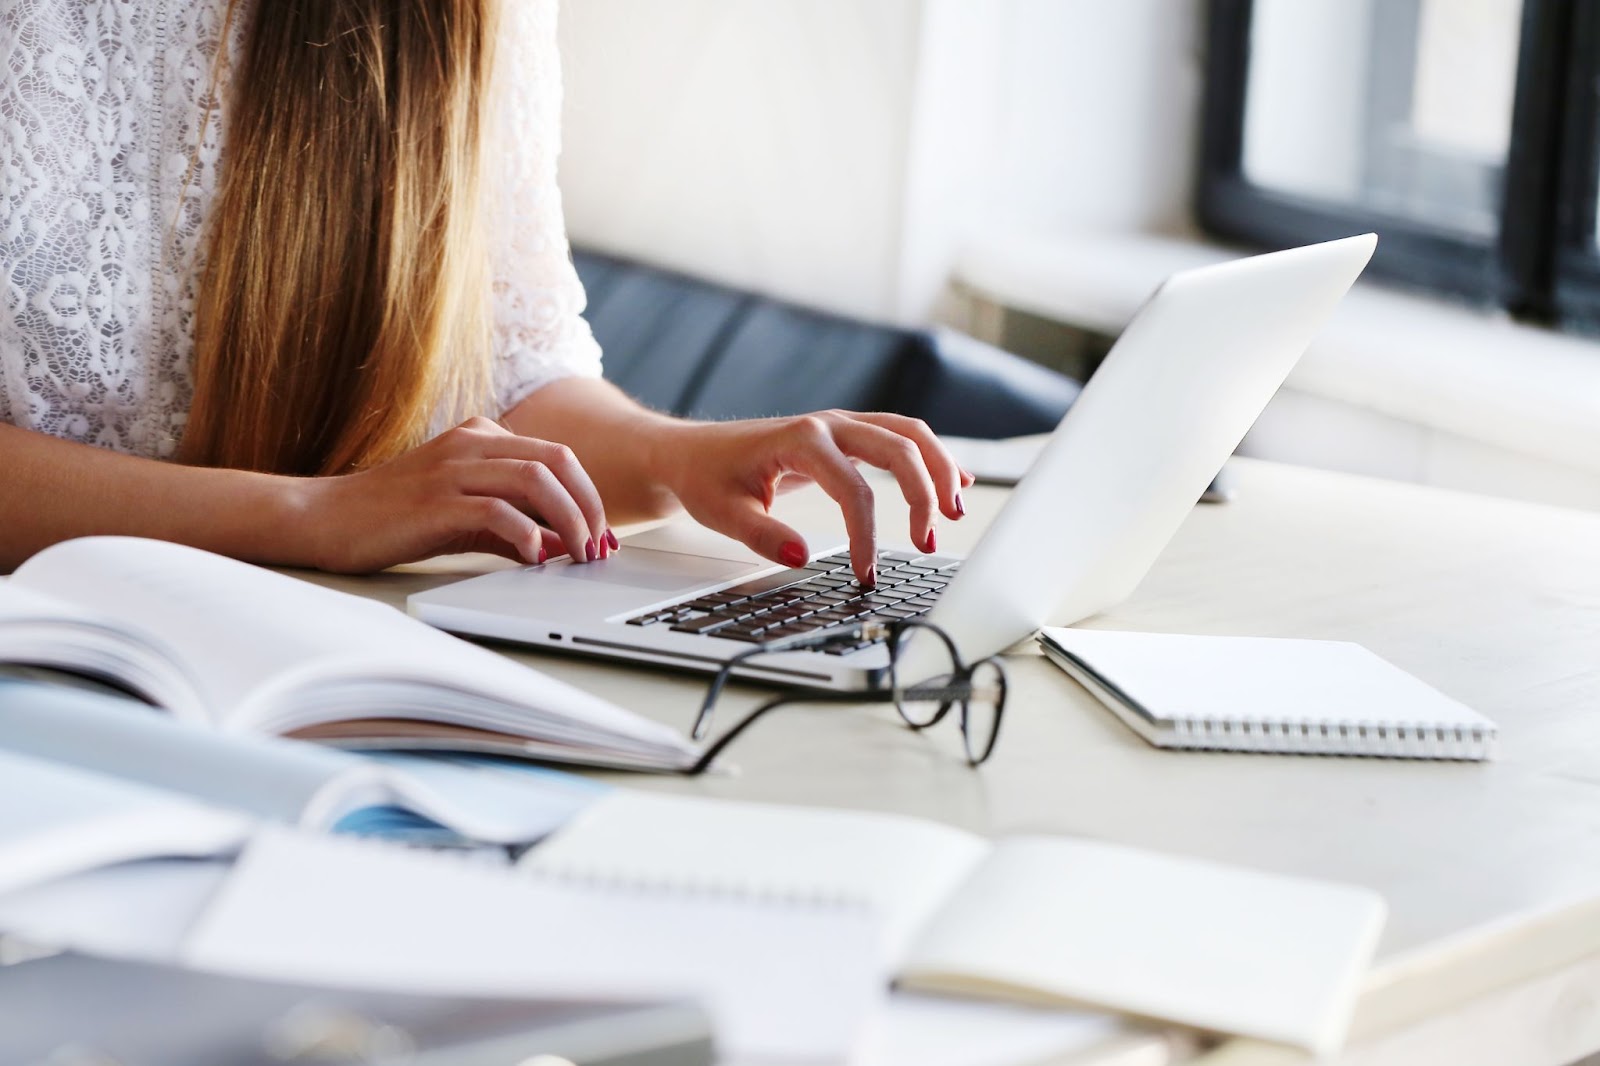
{"x": 821, "y": 594}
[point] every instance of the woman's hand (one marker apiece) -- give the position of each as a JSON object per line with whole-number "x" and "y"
{"x": 475, "y": 488}
{"x": 727, "y": 474}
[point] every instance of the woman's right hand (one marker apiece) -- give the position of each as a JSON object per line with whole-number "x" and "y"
{"x": 475, "y": 488}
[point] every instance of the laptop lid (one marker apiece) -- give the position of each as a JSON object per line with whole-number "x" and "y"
{"x": 1166, "y": 408}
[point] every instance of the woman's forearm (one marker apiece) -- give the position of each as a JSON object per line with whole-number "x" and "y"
{"x": 51, "y": 490}
{"x": 618, "y": 442}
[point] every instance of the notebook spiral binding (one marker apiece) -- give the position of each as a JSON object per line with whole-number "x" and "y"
{"x": 1336, "y": 738}
{"x": 619, "y": 880}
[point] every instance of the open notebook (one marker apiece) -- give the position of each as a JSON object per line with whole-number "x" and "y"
{"x": 791, "y": 922}
{"x": 1049, "y": 920}
{"x": 243, "y": 649}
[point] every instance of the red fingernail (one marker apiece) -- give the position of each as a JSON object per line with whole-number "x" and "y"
{"x": 543, "y": 555}
{"x": 933, "y": 544}
{"x": 589, "y": 551}
{"x": 611, "y": 539}
{"x": 872, "y": 578}
{"x": 793, "y": 553}
{"x": 961, "y": 508}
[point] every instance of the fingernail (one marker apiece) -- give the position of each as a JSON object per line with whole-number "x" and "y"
{"x": 611, "y": 539}
{"x": 872, "y": 577}
{"x": 543, "y": 555}
{"x": 961, "y": 507}
{"x": 589, "y": 551}
{"x": 933, "y": 544}
{"x": 793, "y": 553}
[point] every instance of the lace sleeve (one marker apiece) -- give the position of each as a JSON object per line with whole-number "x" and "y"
{"x": 539, "y": 331}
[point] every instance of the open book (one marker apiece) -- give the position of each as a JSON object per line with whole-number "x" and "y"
{"x": 58, "y": 820}
{"x": 247, "y": 650}
{"x": 424, "y": 799}
{"x": 1039, "y": 920}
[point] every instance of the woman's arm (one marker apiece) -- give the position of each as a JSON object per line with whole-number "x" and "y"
{"x": 54, "y": 489}
{"x": 727, "y": 474}
{"x": 472, "y": 488}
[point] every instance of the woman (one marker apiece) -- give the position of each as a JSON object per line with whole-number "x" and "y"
{"x": 258, "y": 253}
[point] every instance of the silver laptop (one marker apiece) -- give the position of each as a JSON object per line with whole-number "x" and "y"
{"x": 1158, "y": 419}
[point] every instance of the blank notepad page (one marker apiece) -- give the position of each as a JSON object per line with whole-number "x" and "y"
{"x": 1268, "y": 694}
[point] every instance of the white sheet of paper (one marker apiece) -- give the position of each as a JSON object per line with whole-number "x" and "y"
{"x": 782, "y": 981}
{"x": 902, "y": 867}
{"x": 1201, "y": 944}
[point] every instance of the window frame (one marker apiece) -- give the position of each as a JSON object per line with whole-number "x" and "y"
{"x": 1576, "y": 268}
{"x": 1512, "y": 270}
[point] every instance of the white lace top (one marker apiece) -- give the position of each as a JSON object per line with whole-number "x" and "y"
{"x": 100, "y": 234}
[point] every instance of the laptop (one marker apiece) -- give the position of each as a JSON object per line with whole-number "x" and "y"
{"x": 1164, "y": 411}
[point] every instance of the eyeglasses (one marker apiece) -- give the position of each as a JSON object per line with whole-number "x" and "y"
{"x": 944, "y": 683}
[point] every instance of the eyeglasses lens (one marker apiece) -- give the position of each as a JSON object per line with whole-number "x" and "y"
{"x": 980, "y": 725}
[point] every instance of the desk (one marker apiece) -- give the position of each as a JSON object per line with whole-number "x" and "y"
{"x": 1491, "y": 871}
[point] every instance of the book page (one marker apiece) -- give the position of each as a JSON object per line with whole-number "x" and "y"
{"x": 281, "y": 780}
{"x": 39, "y": 629}
{"x": 236, "y": 626}
{"x": 1179, "y": 940}
{"x": 56, "y": 820}
{"x": 273, "y": 654}
{"x": 901, "y": 867}
{"x": 271, "y": 779}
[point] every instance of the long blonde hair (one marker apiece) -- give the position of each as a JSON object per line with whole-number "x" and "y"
{"x": 344, "y": 301}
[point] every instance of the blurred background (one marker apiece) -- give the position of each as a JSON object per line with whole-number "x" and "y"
{"x": 1026, "y": 171}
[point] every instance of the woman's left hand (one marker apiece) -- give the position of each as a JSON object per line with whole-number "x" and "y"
{"x": 727, "y": 475}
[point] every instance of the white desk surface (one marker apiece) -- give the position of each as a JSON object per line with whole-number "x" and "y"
{"x": 1491, "y": 871}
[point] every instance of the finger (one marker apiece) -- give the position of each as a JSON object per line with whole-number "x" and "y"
{"x": 745, "y": 519}
{"x": 532, "y": 485}
{"x": 550, "y": 546}
{"x": 487, "y": 514}
{"x": 489, "y": 544}
{"x": 495, "y": 442}
{"x": 948, "y": 477}
{"x": 901, "y": 457}
{"x": 813, "y": 451}
{"x": 554, "y": 545}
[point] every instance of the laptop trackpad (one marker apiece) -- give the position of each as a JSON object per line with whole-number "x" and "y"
{"x": 658, "y": 571}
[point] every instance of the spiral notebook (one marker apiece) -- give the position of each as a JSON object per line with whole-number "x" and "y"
{"x": 1260, "y": 694}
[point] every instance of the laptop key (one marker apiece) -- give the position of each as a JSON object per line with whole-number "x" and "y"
{"x": 736, "y": 632}
{"x": 788, "y": 631}
{"x": 705, "y": 603}
{"x": 757, "y": 586}
{"x": 707, "y": 624}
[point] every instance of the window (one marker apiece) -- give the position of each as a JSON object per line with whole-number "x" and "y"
{"x": 1466, "y": 132}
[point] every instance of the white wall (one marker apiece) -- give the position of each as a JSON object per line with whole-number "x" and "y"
{"x": 762, "y": 144}
{"x": 839, "y": 152}
{"x": 1100, "y": 114}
